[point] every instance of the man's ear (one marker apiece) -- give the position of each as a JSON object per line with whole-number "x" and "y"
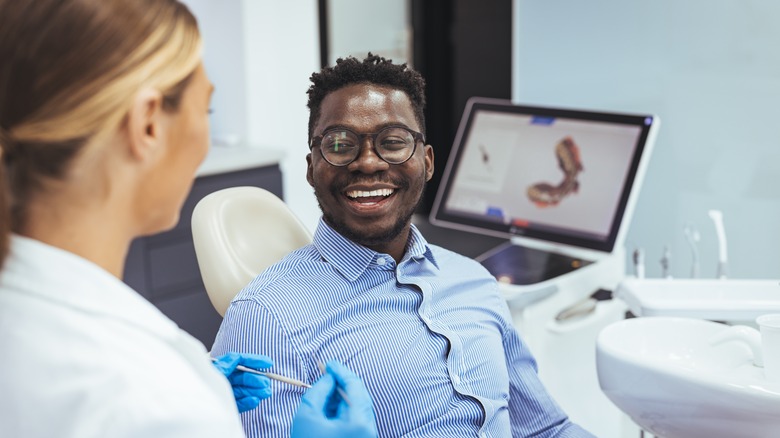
{"x": 428, "y": 162}
{"x": 144, "y": 123}
{"x": 309, "y": 170}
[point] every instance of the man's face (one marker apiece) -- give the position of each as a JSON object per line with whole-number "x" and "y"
{"x": 378, "y": 220}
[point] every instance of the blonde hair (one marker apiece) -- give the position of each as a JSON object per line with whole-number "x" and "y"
{"x": 69, "y": 72}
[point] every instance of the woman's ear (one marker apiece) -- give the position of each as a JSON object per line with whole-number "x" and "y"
{"x": 144, "y": 123}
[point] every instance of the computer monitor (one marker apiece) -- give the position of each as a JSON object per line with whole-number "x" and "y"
{"x": 553, "y": 177}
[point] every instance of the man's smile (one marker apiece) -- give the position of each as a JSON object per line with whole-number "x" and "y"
{"x": 369, "y": 196}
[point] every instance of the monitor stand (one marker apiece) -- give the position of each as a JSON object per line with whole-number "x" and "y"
{"x": 526, "y": 274}
{"x": 576, "y": 285}
{"x": 522, "y": 265}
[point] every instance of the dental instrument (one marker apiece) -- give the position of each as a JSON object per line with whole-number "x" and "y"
{"x": 342, "y": 393}
{"x": 666, "y": 262}
{"x": 693, "y": 237}
{"x": 717, "y": 219}
{"x": 578, "y": 309}
{"x": 639, "y": 263}
{"x": 272, "y": 376}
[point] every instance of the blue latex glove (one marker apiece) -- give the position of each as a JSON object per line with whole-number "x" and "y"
{"x": 248, "y": 388}
{"x": 324, "y": 414}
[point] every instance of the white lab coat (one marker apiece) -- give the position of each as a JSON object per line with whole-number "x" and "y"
{"x": 82, "y": 355}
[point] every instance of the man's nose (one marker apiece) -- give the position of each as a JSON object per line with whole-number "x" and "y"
{"x": 367, "y": 160}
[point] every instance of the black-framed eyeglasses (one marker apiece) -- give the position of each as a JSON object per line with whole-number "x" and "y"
{"x": 393, "y": 144}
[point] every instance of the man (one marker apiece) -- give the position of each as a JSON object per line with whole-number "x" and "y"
{"x": 427, "y": 329}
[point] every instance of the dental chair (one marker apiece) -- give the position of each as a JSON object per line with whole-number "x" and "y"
{"x": 238, "y": 232}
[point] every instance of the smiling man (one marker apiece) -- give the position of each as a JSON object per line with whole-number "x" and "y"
{"x": 368, "y": 194}
{"x": 424, "y": 327}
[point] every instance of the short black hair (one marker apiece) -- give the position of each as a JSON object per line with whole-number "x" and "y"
{"x": 373, "y": 69}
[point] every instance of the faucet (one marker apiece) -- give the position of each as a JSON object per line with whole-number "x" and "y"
{"x": 717, "y": 219}
{"x": 693, "y": 237}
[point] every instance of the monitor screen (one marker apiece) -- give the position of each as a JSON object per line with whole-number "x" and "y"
{"x": 559, "y": 175}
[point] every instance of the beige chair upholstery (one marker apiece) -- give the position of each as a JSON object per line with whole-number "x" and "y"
{"x": 238, "y": 232}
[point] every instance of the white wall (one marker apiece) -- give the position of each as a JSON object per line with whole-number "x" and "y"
{"x": 260, "y": 54}
{"x": 223, "y": 40}
{"x": 282, "y": 50}
{"x": 711, "y": 71}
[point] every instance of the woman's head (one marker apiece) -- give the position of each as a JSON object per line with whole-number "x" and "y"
{"x": 69, "y": 75}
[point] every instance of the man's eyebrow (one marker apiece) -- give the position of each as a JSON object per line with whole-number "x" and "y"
{"x": 331, "y": 127}
{"x": 377, "y": 129}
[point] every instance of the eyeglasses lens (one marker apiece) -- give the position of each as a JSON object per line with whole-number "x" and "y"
{"x": 394, "y": 145}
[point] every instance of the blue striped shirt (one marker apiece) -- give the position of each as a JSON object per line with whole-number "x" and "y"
{"x": 431, "y": 337}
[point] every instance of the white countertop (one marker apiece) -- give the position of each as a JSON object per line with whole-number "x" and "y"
{"x": 221, "y": 159}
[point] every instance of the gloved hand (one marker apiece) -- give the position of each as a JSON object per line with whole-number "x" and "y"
{"x": 324, "y": 414}
{"x": 248, "y": 388}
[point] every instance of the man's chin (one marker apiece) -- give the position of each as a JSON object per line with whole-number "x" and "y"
{"x": 375, "y": 236}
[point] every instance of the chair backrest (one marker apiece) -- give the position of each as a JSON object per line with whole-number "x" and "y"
{"x": 238, "y": 232}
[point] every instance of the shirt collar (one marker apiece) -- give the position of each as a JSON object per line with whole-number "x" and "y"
{"x": 352, "y": 259}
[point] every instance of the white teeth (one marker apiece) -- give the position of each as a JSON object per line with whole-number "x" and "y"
{"x": 365, "y": 194}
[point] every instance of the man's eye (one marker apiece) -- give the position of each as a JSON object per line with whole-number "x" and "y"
{"x": 393, "y": 143}
{"x": 340, "y": 147}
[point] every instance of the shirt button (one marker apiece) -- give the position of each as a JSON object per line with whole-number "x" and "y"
{"x": 482, "y": 435}
{"x": 381, "y": 261}
{"x": 455, "y": 379}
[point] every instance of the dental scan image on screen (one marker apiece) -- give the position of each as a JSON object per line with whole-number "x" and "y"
{"x": 543, "y": 172}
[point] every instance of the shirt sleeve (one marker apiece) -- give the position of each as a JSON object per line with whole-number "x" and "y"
{"x": 249, "y": 327}
{"x": 532, "y": 411}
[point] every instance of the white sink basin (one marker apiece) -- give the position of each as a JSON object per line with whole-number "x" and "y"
{"x": 663, "y": 373}
{"x": 719, "y": 300}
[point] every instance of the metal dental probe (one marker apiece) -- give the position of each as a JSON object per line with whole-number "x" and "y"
{"x": 272, "y": 376}
{"x": 338, "y": 388}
